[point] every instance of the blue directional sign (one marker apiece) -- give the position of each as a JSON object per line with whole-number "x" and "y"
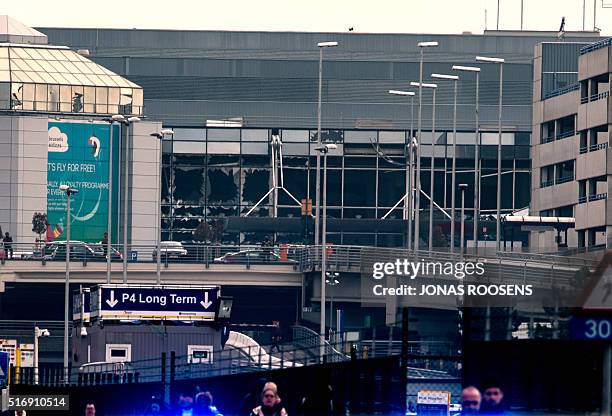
{"x": 155, "y": 302}
{"x": 591, "y": 328}
{"x": 4, "y": 368}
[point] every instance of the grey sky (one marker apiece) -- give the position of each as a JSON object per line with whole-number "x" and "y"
{"x": 397, "y": 16}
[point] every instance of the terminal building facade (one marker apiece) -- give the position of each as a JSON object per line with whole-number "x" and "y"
{"x": 264, "y": 84}
{"x": 54, "y": 130}
{"x": 571, "y": 133}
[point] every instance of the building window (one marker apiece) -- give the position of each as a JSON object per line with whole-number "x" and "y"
{"x": 117, "y": 353}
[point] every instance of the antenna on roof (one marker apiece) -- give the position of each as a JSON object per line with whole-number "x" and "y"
{"x": 561, "y": 34}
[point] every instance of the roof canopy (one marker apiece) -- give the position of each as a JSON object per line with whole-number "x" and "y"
{"x": 38, "y": 77}
{"x": 14, "y": 31}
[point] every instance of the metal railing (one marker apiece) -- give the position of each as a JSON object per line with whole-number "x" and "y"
{"x": 47, "y": 106}
{"x": 594, "y": 147}
{"x": 356, "y": 259}
{"x": 597, "y": 197}
{"x": 550, "y": 259}
{"x": 182, "y": 253}
{"x": 546, "y": 184}
{"x": 565, "y": 134}
{"x": 595, "y": 97}
{"x": 310, "y": 340}
{"x": 547, "y": 139}
{"x": 561, "y": 91}
{"x": 564, "y": 179}
{"x": 594, "y": 46}
{"x": 593, "y": 197}
{"x": 598, "y": 146}
{"x": 241, "y": 357}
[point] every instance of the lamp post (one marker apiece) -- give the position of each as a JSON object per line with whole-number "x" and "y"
{"x": 499, "y": 61}
{"x": 109, "y": 228}
{"x": 453, "y": 78}
{"x": 417, "y": 198}
{"x": 462, "y": 188}
{"x": 475, "y": 70}
{"x": 160, "y": 136}
{"x": 38, "y": 332}
{"x": 331, "y": 280}
{"x": 69, "y": 191}
{"x": 324, "y": 149}
{"x": 321, "y": 46}
{"x": 408, "y": 196}
{"x": 126, "y": 185}
{"x": 433, "y": 135}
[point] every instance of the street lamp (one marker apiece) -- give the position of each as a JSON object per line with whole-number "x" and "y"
{"x": 453, "y": 78}
{"x": 462, "y": 188}
{"x": 475, "y": 70}
{"x": 126, "y": 184}
{"x": 408, "y": 195}
{"x": 321, "y": 46}
{"x": 331, "y": 280}
{"x": 499, "y": 61}
{"x": 433, "y": 147}
{"x": 422, "y": 46}
{"x": 109, "y": 227}
{"x": 160, "y": 136}
{"x": 324, "y": 149}
{"x": 38, "y": 332}
{"x": 69, "y": 191}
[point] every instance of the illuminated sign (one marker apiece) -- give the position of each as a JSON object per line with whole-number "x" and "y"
{"x": 185, "y": 303}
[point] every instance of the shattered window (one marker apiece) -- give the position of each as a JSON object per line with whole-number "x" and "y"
{"x": 255, "y": 184}
{"x": 355, "y": 181}
{"x": 188, "y": 185}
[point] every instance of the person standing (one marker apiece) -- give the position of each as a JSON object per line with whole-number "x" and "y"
{"x": 493, "y": 400}
{"x": 470, "y": 401}
{"x": 204, "y": 405}
{"x": 8, "y": 245}
{"x": 90, "y": 409}
{"x": 270, "y": 402}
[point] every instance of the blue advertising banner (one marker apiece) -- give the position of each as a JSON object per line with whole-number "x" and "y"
{"x": 150, "y": 302}
{"x": 79, "y": 156}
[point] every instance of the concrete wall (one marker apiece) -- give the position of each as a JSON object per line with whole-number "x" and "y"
{"x": 593, "y": 114}
{"x": 591, "y": 214}
{"x": 560, "y": 106}
{"x": 594, "y": 63}
{"x": 144, "y": 186}
{"x": 556, "y": 151}
{"x": 558, "y": 195}
{"x": 23, "y": 174}
{"x": 591, "y": 165}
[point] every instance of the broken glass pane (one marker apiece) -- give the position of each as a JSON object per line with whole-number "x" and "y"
{"x": 188, "y": 185}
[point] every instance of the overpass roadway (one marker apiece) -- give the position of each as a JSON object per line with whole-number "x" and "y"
{"x": 23, "y": 271}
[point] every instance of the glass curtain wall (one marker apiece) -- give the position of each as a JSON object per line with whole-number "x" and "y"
{"x": 221, "y": 172}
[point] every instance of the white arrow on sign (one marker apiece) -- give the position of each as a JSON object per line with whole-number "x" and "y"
{"x": 206, "y": 303}
{"x": 112, "y": 302}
